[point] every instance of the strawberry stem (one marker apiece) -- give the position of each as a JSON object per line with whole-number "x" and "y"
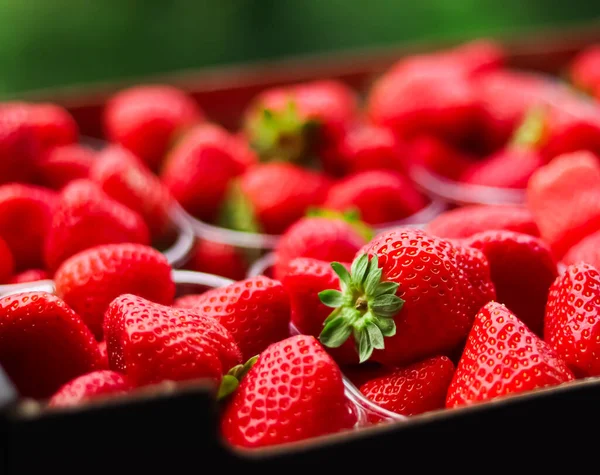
{"x": 364, "y": 308}
{"x": 532, "y": 130}
{"x": 234, "y": 376}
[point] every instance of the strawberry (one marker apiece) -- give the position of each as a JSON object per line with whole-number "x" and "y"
{"x": 218, "y": 258}
{"x": 86, "y": 217}
{"x": 564, "y": 198}
{"x": 91, "y": 279}
{"x": 201, "y": 166}
{"x": 296, "y": 122}
{"x": 126, "y": 179}
{"x": 440, "y": 157}
{"x": 90, "y": 386}
{"x": 53, "y": 124}
{"x": 149, "y": 342}
{"x": 478, "y": 56}
{"x": 586, "y": 250}
{"x": 368, "y": 147}
{"x": 425, "y": 97}
{"x": 25, "y": 218}
{"x": 584, "y": 69}
{"x": 415, "y": 389}
{"x": 62, "y": 164}
{"x": 293, "y": 392}
{"x": 270, "y": 197}
{"x": 408, "y": 296}
{"x": 477, "y": 269}
{"x": 305, "y": 279}
{"x": 19, "y": 145}
{"x": 503, "y": 357}
{"x": 522, "y": 269}
{"x": 43, "y": 343}
{"x": 147, "y": 119}
{"x": 29, "y": 275}
{"x": 320, "y": 237}
{"x": 572, "y": 323}
{"x": 255, "y": 311}
{"x": 380, "y": 196}
{"x": 7, "y": 263}
{"x": 468, "y": 220}
{"x": 103, "y": 353}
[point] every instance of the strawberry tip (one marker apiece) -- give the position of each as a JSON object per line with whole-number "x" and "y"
{"x": 364, "y": 308}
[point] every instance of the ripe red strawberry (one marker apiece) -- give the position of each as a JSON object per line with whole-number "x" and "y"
{"x": 7, "y": 263}
{"x": 201, "y": 166}
{"x": 584, "y": 70}
{"x": 270, "y": 197}
{"x": 25, "y": 217}
{"x": 415, "y": 389}
{"x": 60, "y": 165}
{"x": 478, "y": 56}
{"x": 296, "y": 122}
{"x": 147, "y": 119}
{"x": 19, "y": 145}
{"x": 503, "y": 357}
{"x": 91, "y": 279}
{"x": 293, "y": 392}
{"x": 522, "y": 269}
{"x": 43, "y": 343}
{"x": 477, "y": 268}
{"x": 86, "y": 217}
{"x": 126, "y": 179}
{"x": 103, "y": 354}
{"x": 53, "y": 124}
{"x": 587, "y": 250}
{"x": 468, "y": 220}
{"x": 305, "y": 279}
{"x": 90, "y": 386}
{"x": 507, "y": 168}
{"x": 440, "y": 157}
{"x": 319, "y": 237}
{"x": 255, "y": 311}
{"x": 408, "y": 296}
{"x": 380, "y": 196}
{"x": 368, "y": 147}
{"x": 428, "y": 98}
{"x": 149, "y": 342}
{"x": 572, "y": 324}
{"x": 29, "y": 275}
{"x": 218, "y": 258}
{"x": 564, "y": 198}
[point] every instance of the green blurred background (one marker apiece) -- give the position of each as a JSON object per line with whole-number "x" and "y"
{"x": 47, "y": 43}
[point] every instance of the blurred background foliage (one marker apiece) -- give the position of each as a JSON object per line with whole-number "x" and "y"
{"x": 47, "y": 43}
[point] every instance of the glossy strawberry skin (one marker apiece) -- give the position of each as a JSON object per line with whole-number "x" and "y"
{"x": 126, "y": 179}
{"x": 381, "y": 196}
{"x": 319, "y": 238}
{"x": 29, "y": 275}
{"x": 89, "y": 280}
{"x": 7, "y": 263}
{"x": 587, "y": 250}
{"x": 507, "y": 168}
{"x": 572, "y": 324}
{"x": 441, "y": 296}
{"x": 585, "y": 68}
{"x": 103, "y": 354}
{"x": 468, "y": 220}
{"x": 87, "y": 217}
{"x": 147, "y": 119}
{"x": 303, "y": 282}
{"x": 150, "y": 343}
{"x": 564, "y": 198}
{"x": 26, "y": 213}
{"x": 255, "y": 311}
{"x": 218, "y": 258}
{"x": 199, "y": 169}
{"x": 440, "y": 157}
{"x": 62, "y": 164}
{"x": 294, "y": 392}
{"x": 522, "y": 269}
{"x": 502, "y": 356}
{"x": 53, "y": 124}
{"x": 281, "y": 193}
{"x": 43, "y": 343}
{"x": 90, "y": 386}
{"x": 415, "y": 389}
{"x": 19, "y": 145}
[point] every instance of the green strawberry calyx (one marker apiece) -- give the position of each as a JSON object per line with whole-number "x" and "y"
{"x": 282, "y": 135}
{"x": 532, "y": 131}
{"x": 350, "y": 216}
{"x": 364, "y": 308}
{"x": 231, "y": 380}
{"x": 237, "y": 212}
